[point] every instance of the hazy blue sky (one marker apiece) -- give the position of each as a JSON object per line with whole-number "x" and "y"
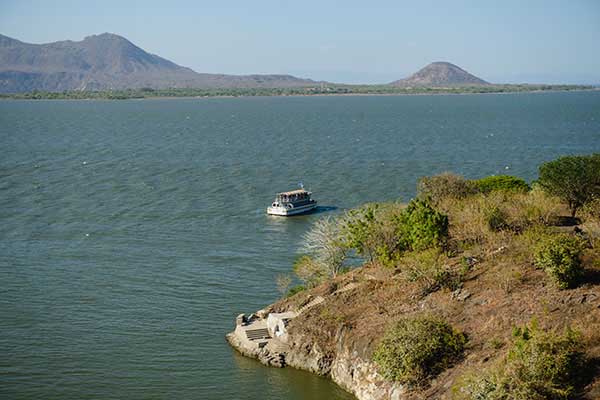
{"x": 340, "y": 41}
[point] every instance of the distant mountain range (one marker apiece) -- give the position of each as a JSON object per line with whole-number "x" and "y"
{"x": 109, "y": 61}
{"x": 438, "y": 74}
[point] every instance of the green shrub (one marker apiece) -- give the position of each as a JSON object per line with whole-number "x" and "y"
{"x": 295, "y": 290}
{"x": 388, "y": 256}
{"x": 370, "y": 231}
{"x": 501, "y": 183}
{"x": 496, "y": 219}
{"x": 539, "y": 365}
{"x": 575, "y": 179}
{"x": 421, "y": 226}
{"x": 386, "y": 232}
{"x": 309, "y": 271}
{"x": 560, "y": 257}
{"x": 444, "y": 186}
{"x": 416, "y": 349}
{"x": 359, "y": 226}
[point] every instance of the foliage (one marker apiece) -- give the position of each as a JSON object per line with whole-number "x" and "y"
{"x": 295, "y": 289}
{"x": 574, "y": 179}
{"x": 332, "y": 89}
{"x": 381, "y": 232}
{"x": 428, "y": 268}
{"x": 371, "y": 231}
{"x": 539, "y": 365}
{"x": 325, "y": 245}
{"x": 444, "y": 186}
{"x": 420, "y": 226}
{"x": 560, "y": 256}
{"x": 500, "y": 182}
{"x": 590, "y": 215}
{"x": 416, "y": 349}
{"x": 360, "y": 230}
{"x": 386, "y": 232}
{"x": 308, "y": 271}
{"x": 496, "y": 218}
{"x": 591, "y": 210}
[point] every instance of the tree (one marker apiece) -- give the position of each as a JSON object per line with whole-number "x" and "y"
{"x": 324, "y": 242}
{"x": 359, "y": 227}
{"x": 574, "y": 179}
{"x": 371, "y": 231}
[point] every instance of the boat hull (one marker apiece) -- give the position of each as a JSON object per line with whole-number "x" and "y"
{"x": 285, "y": 212}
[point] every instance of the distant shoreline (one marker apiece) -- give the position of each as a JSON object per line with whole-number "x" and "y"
{"x": 356, "y": 95}
{"x": 292, "y": 92}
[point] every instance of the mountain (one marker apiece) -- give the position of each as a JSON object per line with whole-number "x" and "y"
{"x": 109, "y": 61}
{"x": 440, "y": 74}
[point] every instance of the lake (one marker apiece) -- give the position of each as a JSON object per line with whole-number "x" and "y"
{"x": 133, "y": 232}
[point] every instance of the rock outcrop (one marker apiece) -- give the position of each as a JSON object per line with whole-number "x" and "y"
{"x": 346, "y": 366}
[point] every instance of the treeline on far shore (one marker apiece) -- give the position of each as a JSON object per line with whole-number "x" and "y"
{"x": 296, "y": 91}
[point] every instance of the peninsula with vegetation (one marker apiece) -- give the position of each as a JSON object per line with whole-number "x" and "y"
{"x": 476, "y": 289}
{"x": 108, "y": 66}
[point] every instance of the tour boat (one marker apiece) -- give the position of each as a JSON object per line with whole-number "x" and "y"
{"x": 292, "y": 203}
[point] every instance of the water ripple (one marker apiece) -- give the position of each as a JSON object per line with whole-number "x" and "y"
{"x": 131, "y": 235}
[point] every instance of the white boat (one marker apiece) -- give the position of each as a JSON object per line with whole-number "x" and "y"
{"x": 292, "y": 203}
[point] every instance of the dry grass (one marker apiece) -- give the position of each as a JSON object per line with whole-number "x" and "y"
{"x": 591, "y": 228}
{"x": 489, "y": 219}
{"x": 591, "y": 211}
{"x": 539, "y": 207}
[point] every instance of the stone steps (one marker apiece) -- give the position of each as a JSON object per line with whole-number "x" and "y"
{"x": 316, "y": 301}
{"x": 257, "y": 334}
{"x": 348, "y": 287}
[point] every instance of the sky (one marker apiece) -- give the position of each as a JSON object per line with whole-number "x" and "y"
{"x": 502, "y": 41}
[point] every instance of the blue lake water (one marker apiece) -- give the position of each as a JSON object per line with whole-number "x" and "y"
{"x": 133, "y": 232}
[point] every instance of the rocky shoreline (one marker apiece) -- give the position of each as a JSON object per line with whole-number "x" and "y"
{"x": 265, "y": 337}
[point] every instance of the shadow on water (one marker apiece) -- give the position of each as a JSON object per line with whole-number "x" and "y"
{"x": 315, "y": 211}
{"x": 284, "y": 383}
{"x": 321, "y": 209}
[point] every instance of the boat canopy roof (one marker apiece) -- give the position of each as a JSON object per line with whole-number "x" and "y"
{"x": 294, "y": 192}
